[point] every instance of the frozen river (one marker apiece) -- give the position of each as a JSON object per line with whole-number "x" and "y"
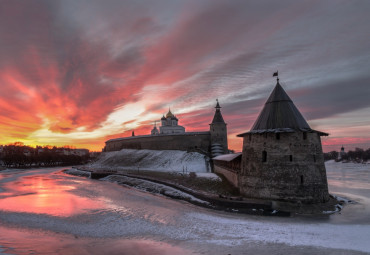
{"x": 44, "y": 211}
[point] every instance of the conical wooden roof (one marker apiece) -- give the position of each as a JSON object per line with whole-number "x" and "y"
{"x": 280, "y": 112}
{"x": 280, "y": 115}
{"x": 217, "y": 118}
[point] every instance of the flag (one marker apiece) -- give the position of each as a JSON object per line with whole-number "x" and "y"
{"x": 275, "y": 74}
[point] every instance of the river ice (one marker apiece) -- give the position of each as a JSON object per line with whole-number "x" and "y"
{"x": 45, "y": 211}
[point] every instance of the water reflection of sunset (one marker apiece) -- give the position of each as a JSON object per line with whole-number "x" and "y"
{"x": 43, "y": 195}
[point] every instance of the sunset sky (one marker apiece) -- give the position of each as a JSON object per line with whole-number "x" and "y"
{"x": 76, "y": 72}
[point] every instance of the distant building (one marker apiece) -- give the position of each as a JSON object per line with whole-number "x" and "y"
{"x": 155, "y": 130}
{"x": 172, "y": 136}
{"x": 69, "y": 151}
{"x": 169, "y": 125}
{"x": 27, "y": 153}
{"x": 218, "y": 133}
{"x": 341, "y": 154}
{"x": 80, "y": 152}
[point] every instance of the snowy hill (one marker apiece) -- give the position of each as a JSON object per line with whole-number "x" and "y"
{"x": 165, "y": 160}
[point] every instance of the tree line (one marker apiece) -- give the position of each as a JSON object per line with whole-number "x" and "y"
{"x": 357, "y": 155}
{"x": 19, "y": 155}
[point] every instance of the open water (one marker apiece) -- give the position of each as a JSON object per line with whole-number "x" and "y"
{"x": 44, "y": 211}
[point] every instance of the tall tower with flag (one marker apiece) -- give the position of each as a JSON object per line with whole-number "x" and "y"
{"x": 282, "y": 156}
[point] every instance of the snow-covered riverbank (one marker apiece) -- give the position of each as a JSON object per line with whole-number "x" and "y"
{"x": 165, "y": 160}
{"x": 44, "y": 210}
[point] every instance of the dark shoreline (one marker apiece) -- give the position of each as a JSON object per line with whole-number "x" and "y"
{"x": 223, "y": 203}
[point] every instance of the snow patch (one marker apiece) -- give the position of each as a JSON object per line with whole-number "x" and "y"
{"x": 76, "y": 172}
{"x": 230, "y": 231}
{"x": 342, "y": 200}
{"x": 339, "y": 206}
{"x": 211, "y": 176}
{"x": 156, "y": 160}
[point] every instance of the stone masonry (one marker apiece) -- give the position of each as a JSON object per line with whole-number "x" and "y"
{"x": 289, "y": 168}
{"x": 282, "y": 156}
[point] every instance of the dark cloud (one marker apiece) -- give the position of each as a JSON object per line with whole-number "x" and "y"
{"x": 336, "y": 97}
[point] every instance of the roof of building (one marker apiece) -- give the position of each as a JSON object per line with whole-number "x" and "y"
{"x": 217, "y": 118}
{"x": 281, "y": 130}
{"x": 280, "y": 112}
{"x": 280, "y": 115}
{"x": 217, "y": 105}
{"x": 169, "y": 114}
{"x": 228, "y": 157}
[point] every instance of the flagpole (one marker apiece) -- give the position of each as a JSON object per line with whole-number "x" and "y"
{"x": 277, "y": 76}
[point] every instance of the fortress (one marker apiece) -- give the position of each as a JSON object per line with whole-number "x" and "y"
{"x": 282, "y": 157}
{"x": 172, "y": 136}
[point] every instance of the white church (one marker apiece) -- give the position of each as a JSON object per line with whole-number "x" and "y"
{"x": 169, "y": 125}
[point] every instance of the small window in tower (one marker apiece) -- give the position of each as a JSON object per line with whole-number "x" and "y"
{"x": 314, "y": 158}
{"x": 265, "y": 135}
{"x": 290, "y": 158}
{"x": 277, "y": 136}
{"x": 304, "y": 135}
{"x": 302, "y": 180}
{"x": 264, "y": 156}
{"x": 250, "y": 137}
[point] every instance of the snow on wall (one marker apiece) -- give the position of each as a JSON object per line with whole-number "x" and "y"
{"x": 164, "y": 160}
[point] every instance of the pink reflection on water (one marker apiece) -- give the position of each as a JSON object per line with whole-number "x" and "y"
{"x": 43, "y": 195}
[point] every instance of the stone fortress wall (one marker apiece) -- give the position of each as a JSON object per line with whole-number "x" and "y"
{"x": 173, "y": 137}
{"x": 199, "y": 141}
{"x": 284, "y": 166}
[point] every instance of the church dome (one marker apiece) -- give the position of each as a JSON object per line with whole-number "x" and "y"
{"x": 169, "y": 114}
{"x": 163, "y": 118}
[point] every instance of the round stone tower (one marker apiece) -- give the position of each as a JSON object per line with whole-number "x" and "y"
{"x": 282, "y": 156}
{"x": 218, "y": 132}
